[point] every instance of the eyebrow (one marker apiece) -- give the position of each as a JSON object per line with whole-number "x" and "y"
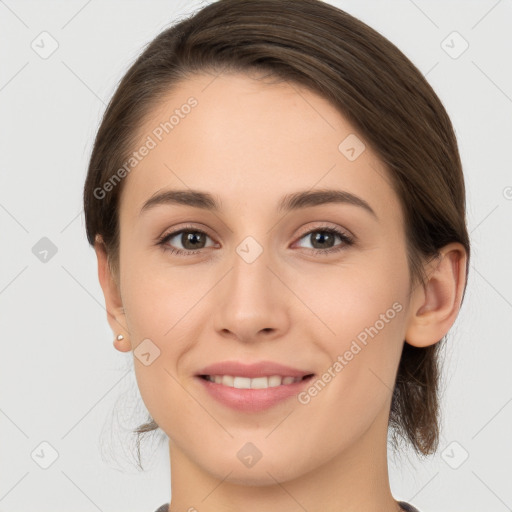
{"x": 289, "y": 202}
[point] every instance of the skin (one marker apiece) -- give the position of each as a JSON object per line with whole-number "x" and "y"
{"x": 249, "y": 142}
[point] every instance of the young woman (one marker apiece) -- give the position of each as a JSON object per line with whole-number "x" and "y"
{"x": 276, "y": 200}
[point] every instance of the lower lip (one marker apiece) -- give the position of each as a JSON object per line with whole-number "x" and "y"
{"x": 253, "y": 400}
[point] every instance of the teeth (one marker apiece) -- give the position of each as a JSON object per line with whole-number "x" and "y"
{"x": 256, "y": 383}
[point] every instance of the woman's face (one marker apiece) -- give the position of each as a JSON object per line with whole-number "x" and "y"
{"x": 267, "y": 283}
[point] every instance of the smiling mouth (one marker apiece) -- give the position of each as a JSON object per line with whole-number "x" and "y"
{"x": 264, "y": 382}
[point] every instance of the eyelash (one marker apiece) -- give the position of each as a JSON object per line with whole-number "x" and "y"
{"x": 347, "y": 240}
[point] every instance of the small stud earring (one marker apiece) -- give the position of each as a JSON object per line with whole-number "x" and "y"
{"x": 120, "y": 337}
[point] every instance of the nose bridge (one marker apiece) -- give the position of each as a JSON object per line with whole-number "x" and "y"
{"x": 250, "y": 300}
{"x": 251, "y": 278}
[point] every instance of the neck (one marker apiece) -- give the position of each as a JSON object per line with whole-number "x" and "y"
{"x": 353, "y": 480}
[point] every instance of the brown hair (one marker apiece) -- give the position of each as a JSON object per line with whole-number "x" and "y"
{"x": 370, "y": 81}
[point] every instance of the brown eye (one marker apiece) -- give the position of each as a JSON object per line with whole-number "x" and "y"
{"x": 192, "y": 240}
{"x": 323, "y": 240}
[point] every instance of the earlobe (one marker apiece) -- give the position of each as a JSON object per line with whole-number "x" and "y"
{"x": 113, "y": 301}
{"x": 121, "y": 343}
{"x": 435, "y": 304}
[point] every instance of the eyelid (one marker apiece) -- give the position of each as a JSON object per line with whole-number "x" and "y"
{"x": 319, "y": 225}
{"x": 186, "y": 227}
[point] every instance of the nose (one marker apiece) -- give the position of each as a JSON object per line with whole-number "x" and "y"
{"x": 252, "y": 301}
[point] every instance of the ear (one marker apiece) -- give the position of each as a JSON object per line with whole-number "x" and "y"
{"x": 435, "y": 304}
{"x": 113, "y": 302}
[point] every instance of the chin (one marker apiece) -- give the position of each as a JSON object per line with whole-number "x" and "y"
{"x": 262, "y": 473}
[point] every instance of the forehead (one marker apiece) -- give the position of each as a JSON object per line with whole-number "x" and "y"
{"x": 250, "y": 142}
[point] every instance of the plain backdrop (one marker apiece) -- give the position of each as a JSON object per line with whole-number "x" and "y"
{"x": 68, "y": 398}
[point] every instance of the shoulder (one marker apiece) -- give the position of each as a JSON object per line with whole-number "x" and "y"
{"x": 163, "y": 508}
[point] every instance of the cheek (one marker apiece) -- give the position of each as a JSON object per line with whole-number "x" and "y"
{"x": 363, "y": 311}
{"x": 157, "y": 298}
{"x": 162, "y": 311}
{"x": 351, "y": 298}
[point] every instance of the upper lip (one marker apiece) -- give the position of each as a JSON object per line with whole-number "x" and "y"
{"x": 258, "y": 369}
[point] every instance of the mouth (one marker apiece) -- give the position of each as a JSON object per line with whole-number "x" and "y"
{"x": 263, "y": 382}
{"x": 252, "y": 387}
{"x": 252, "y": 395}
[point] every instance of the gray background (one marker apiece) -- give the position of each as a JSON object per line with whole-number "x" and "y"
{"x": 61, "y": 380}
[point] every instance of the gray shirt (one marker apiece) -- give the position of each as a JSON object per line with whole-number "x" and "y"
{"x": 403, "y": 504}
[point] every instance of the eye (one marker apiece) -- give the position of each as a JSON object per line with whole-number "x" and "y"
{"x": 193, "y": 240}
{"x": 326, "y": 235}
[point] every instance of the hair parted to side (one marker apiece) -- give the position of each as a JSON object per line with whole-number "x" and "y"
{"x": 371, "y": 82}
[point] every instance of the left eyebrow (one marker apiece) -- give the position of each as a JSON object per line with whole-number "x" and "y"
{"x": 294, "y": 201}
{"x": 308, "y": 198}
